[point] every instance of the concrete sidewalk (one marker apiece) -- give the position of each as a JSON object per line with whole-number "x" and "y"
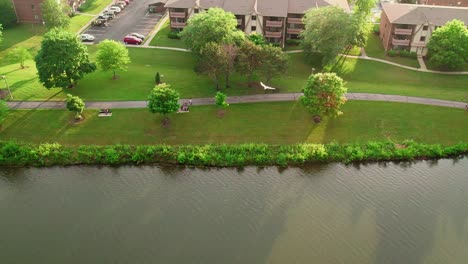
{"x": 239, "y": 100}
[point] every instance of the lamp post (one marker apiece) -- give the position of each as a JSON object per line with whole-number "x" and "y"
{"x": 6, "y": 83}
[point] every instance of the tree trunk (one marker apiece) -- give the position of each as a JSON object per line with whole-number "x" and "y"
{"x": 227, "y": 80}
{"x": 114, "y": 75}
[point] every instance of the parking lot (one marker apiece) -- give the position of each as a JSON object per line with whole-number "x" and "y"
{"x": 134, "y": 18}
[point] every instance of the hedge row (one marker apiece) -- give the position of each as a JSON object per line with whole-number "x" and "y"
{"x": 16, "y": 154}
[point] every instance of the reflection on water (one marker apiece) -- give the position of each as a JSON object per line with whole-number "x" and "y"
{"x": 374, "y": 213}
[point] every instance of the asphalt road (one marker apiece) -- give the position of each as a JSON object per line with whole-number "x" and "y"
{"x": 133, "y": 18}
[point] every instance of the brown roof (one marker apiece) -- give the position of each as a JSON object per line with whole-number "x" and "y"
{"x": 211, "y": 3}
{"x": 424, "y": 14}
{"x": 301, "y": 6}
{"x": 277, "y": 8}
{"x": 240, "y": 7}
{"x": 180, "y": 3}
{"x": 462, "y": 3}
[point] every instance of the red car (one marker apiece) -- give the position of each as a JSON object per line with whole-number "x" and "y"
{"x": 132, "y": 40}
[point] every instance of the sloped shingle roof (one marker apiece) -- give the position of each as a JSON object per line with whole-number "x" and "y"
{"x": 423, "y": 14}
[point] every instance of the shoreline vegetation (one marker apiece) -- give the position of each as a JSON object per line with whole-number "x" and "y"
{"x": 14, "y": 154}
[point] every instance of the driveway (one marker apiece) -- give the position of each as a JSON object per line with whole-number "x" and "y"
{"x": 133, "y": 18}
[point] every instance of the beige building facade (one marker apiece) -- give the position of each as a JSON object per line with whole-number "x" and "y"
{"x": 409, "y": 27}
{"x": 276, "y": 20}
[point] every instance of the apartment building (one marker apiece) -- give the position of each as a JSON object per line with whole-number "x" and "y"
{"x": 460, "y": 3}
{"x": 406, "y": 26}
{"x": 276, "y": 20}
{"x": 28, "y": 10}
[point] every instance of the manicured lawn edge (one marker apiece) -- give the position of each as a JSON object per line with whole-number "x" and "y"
{"x": 15, "y": 154}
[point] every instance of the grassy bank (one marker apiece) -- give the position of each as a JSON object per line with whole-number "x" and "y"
{"x": 178, "y": 70}
{"x": 161, "y": 38}
{"x": 271, "y": 123}
{"x": 375, "y": 49}
{"x": 13, "y": 154}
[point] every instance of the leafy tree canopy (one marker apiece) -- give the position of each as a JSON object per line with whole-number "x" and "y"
{"x": 448, "y": 46}
{"x": 19, "y": 55}
{"x": 257, "y": 39}
{"x": 324, "y": 94}
{"x": 62, "y": 59}
{"x": 76, "y": 105}
{"x": 7, "y": 13}
{"x": 250, "y": 59}
{"x": 163, "y": 100}
{"x": 55, "y": 14}
{"x": 327, "y": 31}
{"x": 274, "y": 62}
{"x": 214, "y": 25}
{"x": 112, "y": 56}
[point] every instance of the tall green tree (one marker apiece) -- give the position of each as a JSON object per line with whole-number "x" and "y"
{"x": 327, "y": 31}
{"x": 324, "y": 94}
{"x": 112, "y": 56}
{"x": 213, "y": 62}
{"x": 7, "y": 13}
{"x": 274, "y": 62}
{"x": 62, "y": 59}
{"x": 19, "y": 55}
{"x": 214, "y": 25}
{"x": 249, "y": 59}
{"x": 448, "y": 46}
{"x": 163, "y": 100}
{"x": 75, "y": 105}
{"x": 257, "y": 39}
{"x": 55, "y": 14}
{"x": 4, "y": 109}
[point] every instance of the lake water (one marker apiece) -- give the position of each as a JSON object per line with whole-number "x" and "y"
{"x": 393, "y": 213}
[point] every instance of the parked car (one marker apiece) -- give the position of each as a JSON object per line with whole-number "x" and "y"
{"x": 140, "y": 36}
{"x": 87, "y": 37}
{"x": 108, "y": 11}
{"x": 100, "y": 22}
{"x": 121, "y": 3}
{"x": 105, "y": 16}
{"x": 116, "y": 9}
{"x": 121, "y": 6}
{"x": 126, "y": 1}
{"x": 132, "y": 40}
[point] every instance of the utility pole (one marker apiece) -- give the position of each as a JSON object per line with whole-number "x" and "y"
{"x": 6, "y": 83}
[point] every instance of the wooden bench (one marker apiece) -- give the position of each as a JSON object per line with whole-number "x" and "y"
{"x": 105, "y": 112}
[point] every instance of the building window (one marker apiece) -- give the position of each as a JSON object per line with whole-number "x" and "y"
{"x": 36, "y": 17}
{"x": 32, "y": 7}
{"x": 254, "y": 17}
{"x": 253, "y": 28}
{"x": 422, "y": 39}
{"x": 425, "y": 27}
{"x": 197, "y": 10}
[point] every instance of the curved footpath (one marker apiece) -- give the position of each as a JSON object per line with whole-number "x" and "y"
{"x": 239, "y": 99}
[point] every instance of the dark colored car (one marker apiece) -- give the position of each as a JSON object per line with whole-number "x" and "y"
{"x": 132, "y": 40}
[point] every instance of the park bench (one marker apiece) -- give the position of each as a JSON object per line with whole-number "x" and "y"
{"x": 105, "y": 112}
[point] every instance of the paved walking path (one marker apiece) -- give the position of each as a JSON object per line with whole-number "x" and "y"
{"x": 422, "y": 64}
{"x": 240, "y": 99}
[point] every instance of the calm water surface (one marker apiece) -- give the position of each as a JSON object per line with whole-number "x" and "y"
{"x": 392, "y": 213}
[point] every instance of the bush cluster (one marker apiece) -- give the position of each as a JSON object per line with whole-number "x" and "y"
{"x": 16, "y": 154}
{"x": 402, "y": 53}
{"x": 173, "y": 35}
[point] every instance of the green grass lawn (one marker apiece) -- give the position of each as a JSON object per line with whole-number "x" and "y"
{"x": 178, "y": 70}
{"x": 162, "y": 40}
{"x": 21, "y": 35}
{"x": 94, "y": 6}
{"x": 375, "y": 77}
{"x": 77, "y": 22}
{"x": 274, "y": 123}
{"x": 375, "y": 49}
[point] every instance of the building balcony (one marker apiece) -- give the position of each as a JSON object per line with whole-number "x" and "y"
{"x": 400, "y": 42}
{"x": 403, "y": 31}
{"x": 294, "y": 20}
{"x": 270, "y": 34}
{"x": 177, "y": 25}
{"x": 178, "y": 14}
{"x": 270, "y": 23}
{"x": 294, "y": 30}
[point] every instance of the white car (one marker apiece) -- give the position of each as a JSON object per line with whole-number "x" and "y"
{"x": 115, "y": 9}
{"x": 140, "y": 36}
{"x": 86, "y": 37}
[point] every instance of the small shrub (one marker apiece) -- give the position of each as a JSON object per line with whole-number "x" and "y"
{"x": 376, "y": 29}
{"x": 173, "y": 35}
{"x": 392, "y": 53}
{"x": 293, "y": 42}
